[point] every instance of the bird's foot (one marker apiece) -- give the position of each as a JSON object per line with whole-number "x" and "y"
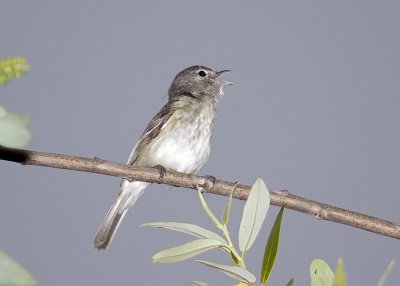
{"x": 209, "y": 182}
{"x": 162, "y": 171}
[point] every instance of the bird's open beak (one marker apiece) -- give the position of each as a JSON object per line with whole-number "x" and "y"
{"x": 224, "y": 82}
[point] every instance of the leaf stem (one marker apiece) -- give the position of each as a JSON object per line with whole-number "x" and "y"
{"x": 232, "y": 249}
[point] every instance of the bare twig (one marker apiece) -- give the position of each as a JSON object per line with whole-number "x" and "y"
{"x": 279, "y": 198}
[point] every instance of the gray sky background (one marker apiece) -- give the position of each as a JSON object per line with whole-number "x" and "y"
{"x": 315, "y": 110}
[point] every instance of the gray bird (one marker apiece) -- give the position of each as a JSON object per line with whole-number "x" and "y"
{"x": 177, "y": 138}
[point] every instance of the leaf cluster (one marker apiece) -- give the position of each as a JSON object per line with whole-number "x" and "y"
{"x": 253, "y": 216}
{"x": 12, "y": 67}
{"x": 322, "y": 275}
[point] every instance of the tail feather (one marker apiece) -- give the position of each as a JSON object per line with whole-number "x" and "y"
{"x": 110, "y": 224}
{"x": 130, "y": 192}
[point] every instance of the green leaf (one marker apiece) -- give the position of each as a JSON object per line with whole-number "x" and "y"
{"x": 290, "y": 283}
{"x": 254, "y": 213}
{"x": 236, "y": 272}
{"x": 208, "y": 211}
{"x": 11, "y": 273}
{"x": 340, "y": 275}
{"x": 227, "y": 209}
{"x": 320, "y": 273}
{"x": 13, "y": 131}
{"x": 271, "y": 249}
{"x": 185, "y": 251}
{"x": 199, "y": 283}
{"x": 13, "y": 67}
{"x": 187, "y": 228}
{"x": 385, "y": 275}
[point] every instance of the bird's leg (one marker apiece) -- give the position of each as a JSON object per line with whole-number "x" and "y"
{"x": 162, "y": 171}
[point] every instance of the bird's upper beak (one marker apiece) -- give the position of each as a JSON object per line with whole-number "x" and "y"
{"x": 224, "y": 82}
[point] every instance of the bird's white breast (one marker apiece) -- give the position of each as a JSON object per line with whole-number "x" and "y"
{"x": 184, "y": 142}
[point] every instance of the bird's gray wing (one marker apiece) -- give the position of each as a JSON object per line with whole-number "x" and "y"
{"x": 151, "y": 131}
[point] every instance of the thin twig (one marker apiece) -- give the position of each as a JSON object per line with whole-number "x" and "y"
{"x": 279, "y": 198}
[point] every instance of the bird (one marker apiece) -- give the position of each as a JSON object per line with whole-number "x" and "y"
{"x": 178, "y": 138}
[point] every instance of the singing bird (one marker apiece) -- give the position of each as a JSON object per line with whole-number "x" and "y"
{"x": 177, "y": 138}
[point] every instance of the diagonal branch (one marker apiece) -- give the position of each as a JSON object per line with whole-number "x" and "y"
{"x": 152, "y": 175}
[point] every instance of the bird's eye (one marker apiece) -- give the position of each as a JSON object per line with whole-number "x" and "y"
{"x": 202, "y": 73}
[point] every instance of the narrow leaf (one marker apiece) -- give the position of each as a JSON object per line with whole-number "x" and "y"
{"x": 207, "y": 209}
{"x": 271, "y": 249}
{"x": 185, "y": 251}
{"x": 236, "y": 272}
{"x": 386, "y": 273}
{"x": 340, "y": 275}
{"x": 320, "y": 273}
{"x": 187, "y": 228}
{"x": 233, "y": 257}
{"x": 11, "y": 273}
{"x": 254, "y": 213}
{"x": 227, "y": 209}
{"x": 199, "y": 283}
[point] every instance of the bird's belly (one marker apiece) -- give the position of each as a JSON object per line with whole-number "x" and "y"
{"x": 184, "y": 149}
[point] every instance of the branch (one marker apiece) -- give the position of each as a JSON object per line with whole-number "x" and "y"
{"x": 173, "y": 178}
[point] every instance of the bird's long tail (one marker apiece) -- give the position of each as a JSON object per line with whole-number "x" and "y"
{"x": 130, "y": 192}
